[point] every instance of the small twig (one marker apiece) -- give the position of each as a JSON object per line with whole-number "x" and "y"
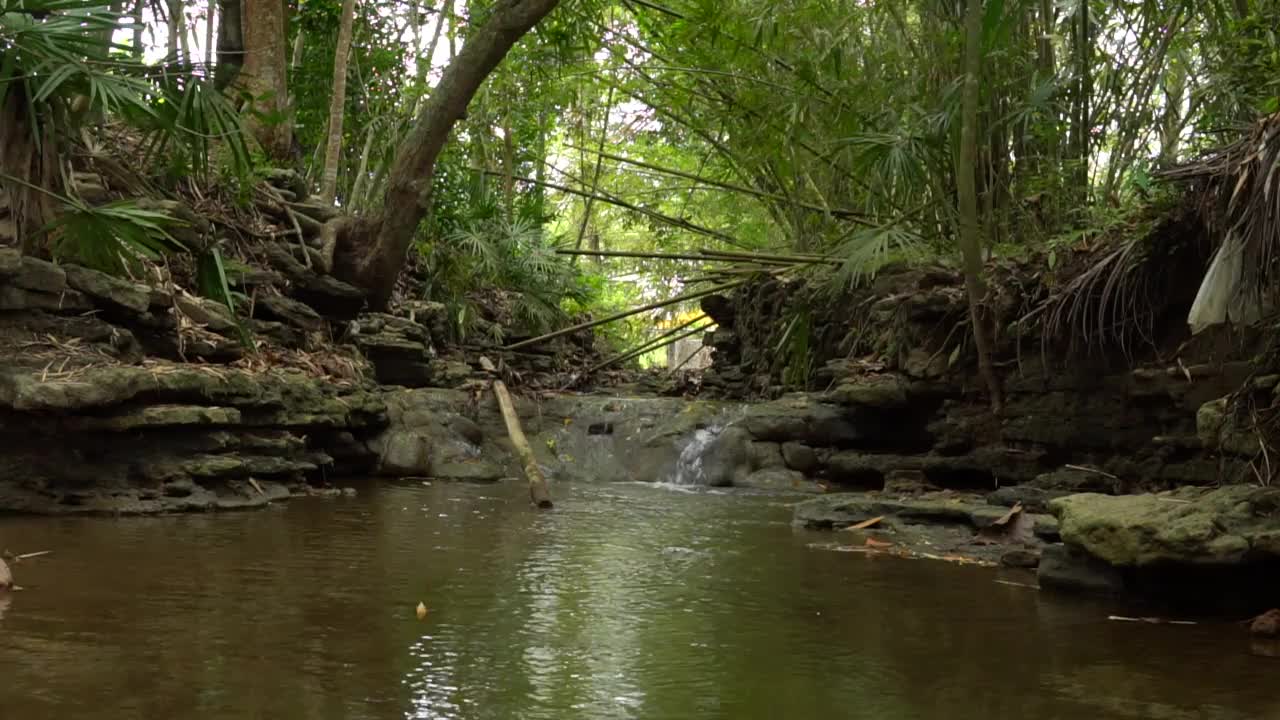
{"x": 1011, "y": 583}
{"x": 1092, "y": 470}
{"x": 28, "y": 556}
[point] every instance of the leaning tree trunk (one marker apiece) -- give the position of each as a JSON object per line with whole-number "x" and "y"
{"x": 337, "y": 104}
{"x": 371, "y": 251}
{"x": 967, "y": 195}
{"x": 263, "y": 75}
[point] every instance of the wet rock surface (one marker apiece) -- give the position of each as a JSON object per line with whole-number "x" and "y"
{"x": 1192, "y": 526}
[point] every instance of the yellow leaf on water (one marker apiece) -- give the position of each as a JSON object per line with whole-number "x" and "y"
{"x": 422, "y": 611}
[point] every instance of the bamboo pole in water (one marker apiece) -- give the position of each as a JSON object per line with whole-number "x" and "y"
{"x": 538, "y": 491}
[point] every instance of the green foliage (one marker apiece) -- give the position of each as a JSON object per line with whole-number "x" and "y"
{"x": 493, "y": 253}
{"x": 112, "y": 237}
{"x": 196, "y": 125}
{"x": 54, "y": 50}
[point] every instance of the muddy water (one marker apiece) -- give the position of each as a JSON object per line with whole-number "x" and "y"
{"x": 627, "y": 601}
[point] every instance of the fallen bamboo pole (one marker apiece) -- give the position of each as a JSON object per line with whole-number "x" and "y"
{"x": 640, "y": 351}
{"x": 702, "y": 255}
{"x": 775, "y": 257}
{"x": 627, "y": 313}
{"x": 538, "y": 492}
{"x": 641, "y": 347}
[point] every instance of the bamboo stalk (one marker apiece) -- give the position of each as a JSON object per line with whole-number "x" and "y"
{"x": 795, "y": 259}
{"x": 617, "y": 202}
{"x": 538, "y": 491}
{"x": 641, "y": 348}
{"x": 732, "y": 187}
{"x": 627, "y": 313}
{"x": 705, "y": 255}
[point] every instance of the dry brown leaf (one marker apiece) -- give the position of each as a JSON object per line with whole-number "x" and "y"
{"x": 1013, "y": 512}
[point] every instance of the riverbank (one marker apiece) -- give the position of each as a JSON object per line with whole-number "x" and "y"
{"x": 131, "y": 397}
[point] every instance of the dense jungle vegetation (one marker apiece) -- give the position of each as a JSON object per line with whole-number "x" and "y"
{"x": 489, "y": 137}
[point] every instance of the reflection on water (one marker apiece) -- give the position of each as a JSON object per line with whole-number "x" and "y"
{"x": 627, "y": 601}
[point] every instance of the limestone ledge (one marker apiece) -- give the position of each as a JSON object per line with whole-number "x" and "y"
{"x": 162, "y": 437}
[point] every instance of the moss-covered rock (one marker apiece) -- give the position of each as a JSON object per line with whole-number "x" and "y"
{"x": 1189, "y": 526}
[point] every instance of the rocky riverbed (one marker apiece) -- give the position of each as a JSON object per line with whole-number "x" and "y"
{"x": 138, "y": 397}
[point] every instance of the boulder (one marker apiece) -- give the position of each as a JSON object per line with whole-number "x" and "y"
{"x": 779, "y": 479}
{"x": 66, "y": 301}
{"x": 202, "y": 311}
{"x": 330, "y": 296}
{"x": 727, "y": 459}
{"x": 923, "y": 365}
{"x": 291, "y": 311}
{"x": 1020, "y": 558}
{"x": 40, "y": 276}
{"x": 1219, "y": 430}
{"x": 1189, "y": 526}
{"x": 155, "y": 416}
{"x": 882, "y": 392}
{"x": 765, "y": 455}
{"x": 801, "y": 419}
{"x": 1063, "y": 567}
{"x": 402, "y": 453}
{"x": 842, "y": 510}
{"x": 800, "y": 457}
{"x": 111, "y": 291}
{"x": 1072, "y": 480}
{"x": 1032, "y": 499}
{"x": 447, "y": 373}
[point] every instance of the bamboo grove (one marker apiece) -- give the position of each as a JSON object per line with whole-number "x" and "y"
{"x": 616, "y": 141}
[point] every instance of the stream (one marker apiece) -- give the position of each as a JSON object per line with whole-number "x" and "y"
{"x": 626, "y": 601}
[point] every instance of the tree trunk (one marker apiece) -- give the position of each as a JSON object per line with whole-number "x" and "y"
{"x": 263, "y": 75}
{"x": 136, "y": 49}
{"x": 966, "y": 191}
{"x": 372, "y": 251}
{"x": 174, "y": 9}
{"x": 337, "y": 105}
{"x": 230, "y": 43}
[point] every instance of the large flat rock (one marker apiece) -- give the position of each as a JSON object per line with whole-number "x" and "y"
{"x": 1190, "y": 526}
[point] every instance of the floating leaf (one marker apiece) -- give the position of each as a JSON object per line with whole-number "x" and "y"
{"x": 421, "y": 611}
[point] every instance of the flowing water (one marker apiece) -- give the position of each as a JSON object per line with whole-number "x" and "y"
{"x": 626, "y": 601}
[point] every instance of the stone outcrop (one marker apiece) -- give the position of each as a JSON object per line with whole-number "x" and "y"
{"x": 460, "y": 436}
{"x": 1192, "y": 526}
{"x": 133, "y": 439}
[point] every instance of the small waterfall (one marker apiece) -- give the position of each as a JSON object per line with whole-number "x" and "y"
{"x": 689, "y": 469}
